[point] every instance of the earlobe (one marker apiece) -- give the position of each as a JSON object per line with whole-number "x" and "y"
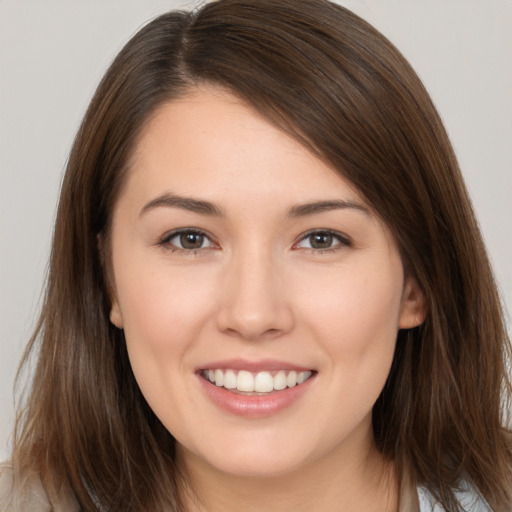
{"x": 115, "y": 314}
{"x": 414, "y": 305}
{"x": 116, "y": 318}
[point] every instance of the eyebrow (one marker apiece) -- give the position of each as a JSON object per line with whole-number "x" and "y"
{"x": 203, "y": 207}
{"x": 186, "y": 203}
{"x": 304, "y": 210}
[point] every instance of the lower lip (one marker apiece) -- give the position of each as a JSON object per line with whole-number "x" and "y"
{"x": 254, "y": 406}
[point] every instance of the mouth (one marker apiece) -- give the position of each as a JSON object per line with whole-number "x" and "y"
{"x": 255, "y": 389}
{"x": 255, "y": 383}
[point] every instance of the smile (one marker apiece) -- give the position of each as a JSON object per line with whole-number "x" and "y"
{"x": 255, "y": 389}
{"x": 243, "y": 381}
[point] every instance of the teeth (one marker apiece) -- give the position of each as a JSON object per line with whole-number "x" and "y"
{"x": 245, "y": 381}
{"x": 291, "y": 380}
{"x": 261, "y": 382}
{"x": 280, "y": 381}
{"x": 301, "y": 377}
{"x": 230, "y": 380}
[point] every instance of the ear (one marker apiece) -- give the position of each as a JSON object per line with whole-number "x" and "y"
{"x": 414, "y": 308}
{"x": 115, "y": 312}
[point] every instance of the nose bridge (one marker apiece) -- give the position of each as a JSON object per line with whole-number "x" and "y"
{"x": 254, "y": 303}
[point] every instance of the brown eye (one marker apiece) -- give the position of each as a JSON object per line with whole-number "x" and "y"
{"x": 187, "y": 240}
{"x": 191, "y": 240}
{"x": 321, "y": 240}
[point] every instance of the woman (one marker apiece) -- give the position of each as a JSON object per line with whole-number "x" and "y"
{"x": 267, "y": 287}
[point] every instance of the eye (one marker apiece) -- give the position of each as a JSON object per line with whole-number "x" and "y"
{"x": 322, "y": 240}
{"x": 187, "y": 240}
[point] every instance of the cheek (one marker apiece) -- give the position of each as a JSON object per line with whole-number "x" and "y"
{"x": 164, "y": 314}
{"x": 164, "y": 311}
{"x": 353, "y": 315}
{"x": 354, "y": 305}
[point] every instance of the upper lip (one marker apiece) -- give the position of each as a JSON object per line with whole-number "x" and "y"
{"x": 260, "y": 365}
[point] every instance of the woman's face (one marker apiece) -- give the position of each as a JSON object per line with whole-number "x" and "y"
{"x": 260, "y": 296}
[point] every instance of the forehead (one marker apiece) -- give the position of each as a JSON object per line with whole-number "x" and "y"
{"x": 211, "y": 141}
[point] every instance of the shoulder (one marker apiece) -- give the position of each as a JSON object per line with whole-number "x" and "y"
{"x": 33, "y": 498}
{"x": 469, "y": 500}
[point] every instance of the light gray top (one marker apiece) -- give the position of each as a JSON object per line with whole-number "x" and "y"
{"x": 33, "y": 501}
{"x": 470, "y": 502}
{"x": 37, "y": 501}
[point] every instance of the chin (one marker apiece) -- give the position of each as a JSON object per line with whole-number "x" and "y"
{"x": 254, "y": 456}
{"x": 257, "y": 466}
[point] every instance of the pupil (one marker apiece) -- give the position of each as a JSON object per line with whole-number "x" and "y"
{"x": 321, "y": 240}
{"x": 191, "y": 240}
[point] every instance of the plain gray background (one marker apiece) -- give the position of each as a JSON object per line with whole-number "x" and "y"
{"x": 53, "y": 53}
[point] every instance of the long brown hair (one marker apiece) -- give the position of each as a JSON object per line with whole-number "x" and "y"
{"x": 338, "y": 86}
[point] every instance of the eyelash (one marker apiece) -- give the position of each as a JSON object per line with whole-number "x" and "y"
{"x": 165, "y": 241}
{"x": 342, "y": 241}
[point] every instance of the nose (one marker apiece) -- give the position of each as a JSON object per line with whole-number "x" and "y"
{"x": 253, "y": 304}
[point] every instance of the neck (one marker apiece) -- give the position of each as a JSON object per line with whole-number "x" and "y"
{"x": 363, "y": 484}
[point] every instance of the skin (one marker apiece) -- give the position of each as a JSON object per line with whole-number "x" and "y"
{"x": 257, "y": 289}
